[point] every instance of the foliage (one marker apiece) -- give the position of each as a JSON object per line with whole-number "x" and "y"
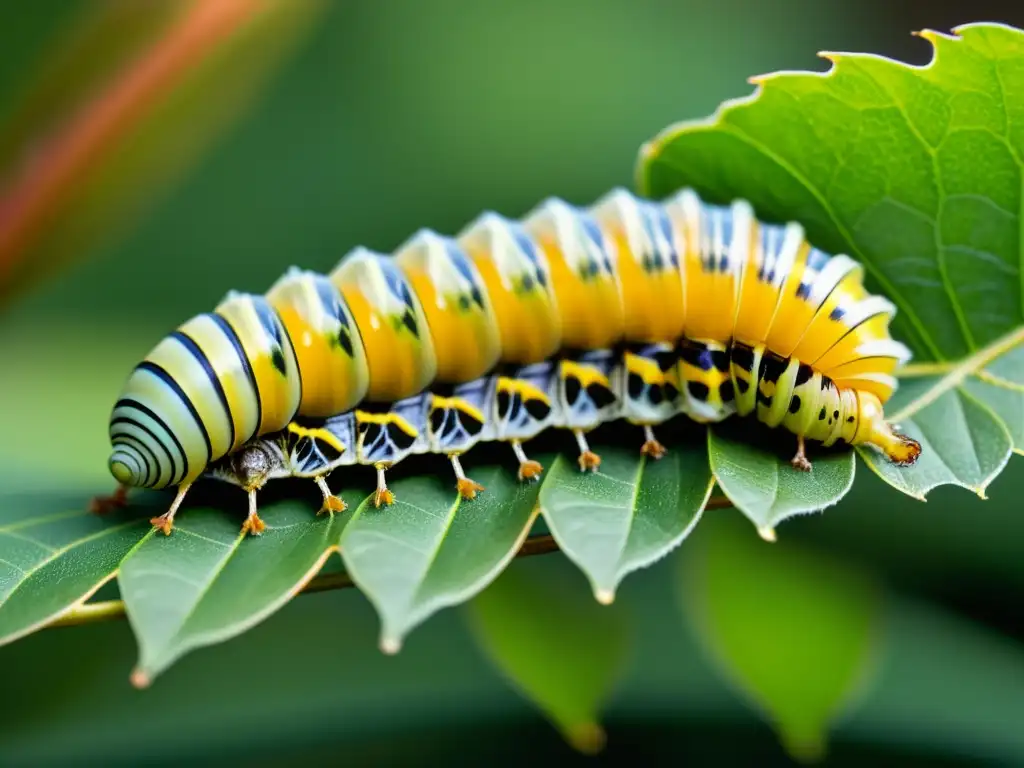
{"x": 878, "y": 160}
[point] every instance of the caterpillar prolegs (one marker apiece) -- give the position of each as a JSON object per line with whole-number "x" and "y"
{"x": 569, "y": 318}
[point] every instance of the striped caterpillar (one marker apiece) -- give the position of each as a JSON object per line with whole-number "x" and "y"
{"x": 568, "y": 318}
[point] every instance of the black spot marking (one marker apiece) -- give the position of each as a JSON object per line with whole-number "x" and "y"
{"x": 400, "y": 437}
{"x": 665, "y": 360}
{"x": 538, "y": 409}
{"x": 504, "y": 401}
{"x": 725, "y": 391}
{"x": 803, "y": 290}
{"x": 328, "y": 451}
{"x": 698, "y": 390}
{"x": 345, "y": 342}
{"x": 371, "y": 432}
{"x": 656, "y": 394}
{"x": 837, "y": 314}
{"x": 743, "y": 385}
{"x": 572, "y": 390}
{"x": 803, "y": 374}
{"x": 410, "y": 322}
{"x": 277, "y": 358}
{"x": 720, "y": 359}
{"x": 600, "y": 394}
{"x": 464, "y": 303}
{"x": 772, "y": 366}
{"x": 794, "y": 404}
{"x": 849, "y": 419}
{"x": 437, "y": 419}
{"x": 826, "y": 383}
{"x": 743, "y": 356}
{"x": 697, "y": 355}
{"x": 764, "y": 399}
{"x": 821, "y": 414}
{"x": 634, "y": 385}
{"x": 671, "y": 393}
{"x": 470, "y": 423}
{"x": 478, "y": 297}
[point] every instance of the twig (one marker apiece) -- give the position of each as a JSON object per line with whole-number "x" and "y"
{"x": 90, "y": 613}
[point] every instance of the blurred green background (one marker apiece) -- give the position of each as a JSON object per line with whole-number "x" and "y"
{"x": 378, "y": 119}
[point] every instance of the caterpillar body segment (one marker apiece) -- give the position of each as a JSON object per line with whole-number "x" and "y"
{"x": 628, "y": 310}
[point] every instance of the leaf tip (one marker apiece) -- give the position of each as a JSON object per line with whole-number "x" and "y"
{"x": 390, "y": 645}
{"x": 588, "y": 738}
{"x": 767, "y": 533}
{"x": 604, "y": 596}
{"x": 140, "y": 679}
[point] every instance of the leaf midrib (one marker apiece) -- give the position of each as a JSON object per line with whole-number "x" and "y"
{"x": 956, "y": 372}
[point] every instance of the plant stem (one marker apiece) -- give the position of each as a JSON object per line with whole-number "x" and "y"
{"x": 90, "y": 613}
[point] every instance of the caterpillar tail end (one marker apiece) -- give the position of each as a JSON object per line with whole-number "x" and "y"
{"x": 900, "y": 449}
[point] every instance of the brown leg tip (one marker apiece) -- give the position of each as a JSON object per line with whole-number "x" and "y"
{"x": 653, "y": 449}
{"x": 383, "y": 497}
{"x": 331, "y": 505}
{"x": 468, "y": 489}
{"x": 530, "y": 470}
{"x": 589, "y": 461}
{"x": 163, "y": 524}
{"x": 801, "y": 463}
{"x": 103, "y": 505}
{"x": 253, "y": 525}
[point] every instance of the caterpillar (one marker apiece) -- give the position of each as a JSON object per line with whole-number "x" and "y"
{"x": 569, "y": 317}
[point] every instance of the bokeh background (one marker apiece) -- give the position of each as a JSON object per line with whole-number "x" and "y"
{"x": 324, "y": 125}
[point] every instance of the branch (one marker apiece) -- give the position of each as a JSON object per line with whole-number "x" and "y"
{"x": 89, "y": 613}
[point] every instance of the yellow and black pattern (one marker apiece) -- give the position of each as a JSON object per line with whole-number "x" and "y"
{"x": 572, "y": 317}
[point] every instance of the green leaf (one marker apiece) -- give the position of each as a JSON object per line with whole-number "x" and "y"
{"x": 430, "y": 550}
{"x": 760, "y": 481}
{"x": 53, "y": 557}
{"x": 208, "y": 582}
{"x": 916, "y": 172}
{"x": 791, "y": 629}
{"x": 627, "y": 516}
{"x": 561, "y": 652}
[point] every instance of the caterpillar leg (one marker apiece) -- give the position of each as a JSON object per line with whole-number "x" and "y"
{"x": 589, "y": 461}
{"x": 382, "y": 495}
{"x": 467, "y": 487}
{"x": 253, "y": 524}
{"x": 799, "y": 460}
{"x": 651, "y": 446}
{"x": 165, "y": 522}
{"x": 331, "y": 503}
{"x": 528, "y": 469}
{"x": 103, "y": 505}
